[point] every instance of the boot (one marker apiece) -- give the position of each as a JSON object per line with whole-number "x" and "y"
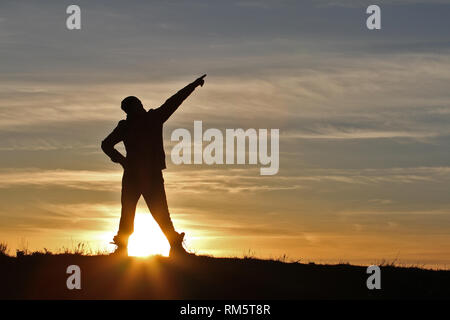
{"x": 176, "y": 246}
{"x": 121, "y": 246}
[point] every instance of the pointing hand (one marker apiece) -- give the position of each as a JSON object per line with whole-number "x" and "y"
{"x": 200, "y": 81}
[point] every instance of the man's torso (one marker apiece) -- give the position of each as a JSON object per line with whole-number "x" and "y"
{"x": 143, "y": 140}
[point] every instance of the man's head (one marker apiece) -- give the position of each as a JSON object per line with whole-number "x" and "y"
{"x": 132, "y": 105}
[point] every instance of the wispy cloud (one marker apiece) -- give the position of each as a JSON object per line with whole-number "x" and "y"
{"x": 361, "y": 134}
{"x": 221, "y": 180}
{"x": 79, "y": 179}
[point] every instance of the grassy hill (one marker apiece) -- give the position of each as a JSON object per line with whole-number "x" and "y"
{"x": 43, "y": 276}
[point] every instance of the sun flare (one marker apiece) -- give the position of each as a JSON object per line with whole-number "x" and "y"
{"x": 147, "y": 238}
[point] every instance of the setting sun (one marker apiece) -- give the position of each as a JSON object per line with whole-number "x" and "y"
{"x": 147, "y": 238}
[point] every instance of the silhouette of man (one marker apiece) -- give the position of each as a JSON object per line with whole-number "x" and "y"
{"x": 142, "y": 135}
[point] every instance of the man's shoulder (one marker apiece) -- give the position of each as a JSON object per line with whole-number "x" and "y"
{"x": 154, "y": 114}
{"x": 122, "y": 124}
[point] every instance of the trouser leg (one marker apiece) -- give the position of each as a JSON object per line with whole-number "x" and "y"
{"x": 129, "y": 199}
{"x": 155, "y": 197}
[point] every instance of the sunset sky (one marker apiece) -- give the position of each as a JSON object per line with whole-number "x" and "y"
{"x": 363, "y": 116}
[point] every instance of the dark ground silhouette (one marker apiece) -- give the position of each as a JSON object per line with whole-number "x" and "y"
{"x": 43, "y": 276}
